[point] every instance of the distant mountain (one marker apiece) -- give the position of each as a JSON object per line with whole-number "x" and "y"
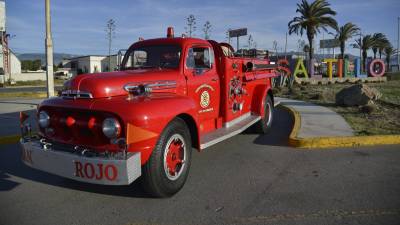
{"x": 58, "y": 57}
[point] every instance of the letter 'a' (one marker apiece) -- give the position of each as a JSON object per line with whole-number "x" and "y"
{"x": 300, "y": 69}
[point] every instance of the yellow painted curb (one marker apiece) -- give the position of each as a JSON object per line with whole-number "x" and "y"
{"x": 9, "y": 139}
{"x": 334, "y": 142}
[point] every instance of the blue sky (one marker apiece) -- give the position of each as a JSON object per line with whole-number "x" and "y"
{"x": 78, "y": 25}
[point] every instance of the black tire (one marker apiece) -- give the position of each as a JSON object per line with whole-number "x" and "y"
{"x": 157, "y": 178}
{"x": 264, "y": 125}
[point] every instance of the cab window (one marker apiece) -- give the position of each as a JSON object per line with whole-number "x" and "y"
{"x": 158, "y": 56}
{"x": 200, "y": 58}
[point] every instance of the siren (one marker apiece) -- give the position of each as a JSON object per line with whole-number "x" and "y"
{"x": 170, "y": 32}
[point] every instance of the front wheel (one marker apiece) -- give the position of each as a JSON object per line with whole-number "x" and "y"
{"x": 168, "y": 167}
{"x": 264, "y": 125}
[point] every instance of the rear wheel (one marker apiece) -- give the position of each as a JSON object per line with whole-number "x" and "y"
{"x": 264, "y": 125}
{"x": 168, "y": 167}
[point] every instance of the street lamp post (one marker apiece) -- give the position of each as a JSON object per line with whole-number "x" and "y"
{"x": 49, "y": 53}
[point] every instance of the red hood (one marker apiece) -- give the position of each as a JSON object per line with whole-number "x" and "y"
{"x": 110, "y": 84}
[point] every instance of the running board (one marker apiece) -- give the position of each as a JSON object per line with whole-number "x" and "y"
{"x": 224, "y": 133}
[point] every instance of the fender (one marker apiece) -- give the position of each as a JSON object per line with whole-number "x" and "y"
{"x": 260, "y": 93}
{"x": 145, "y": 117}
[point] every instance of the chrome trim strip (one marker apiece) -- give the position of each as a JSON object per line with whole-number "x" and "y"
{"x": 76, "y": 94}
{"x": 156, "y": 85}
{"x": 231, "y": 134}
{"x": 237, "y": 120}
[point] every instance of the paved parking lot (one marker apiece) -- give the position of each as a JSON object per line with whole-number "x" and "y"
{"x": 248, "y": 179}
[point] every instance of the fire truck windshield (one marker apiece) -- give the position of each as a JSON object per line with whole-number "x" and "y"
{"x": 160, "y": 56}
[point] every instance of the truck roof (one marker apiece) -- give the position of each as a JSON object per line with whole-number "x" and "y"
{"x": 176, "y": 41}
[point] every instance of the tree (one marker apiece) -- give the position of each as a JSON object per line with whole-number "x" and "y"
{"x": 364, "y": 44}
{"x": 344, "y": 33}
{"x": 31, "y": 65}
{"x": 313, "y": 17}
{"x": 26, "y": 65}
{"x": 191, "y": 25}
{"x": 250, "y": 41}
{"x": 389, "y": 51}
{"x": 306, "y": 48}
{"x": 382, "y": 47}
{"x": 275, "y": 47}
{"x": 110, "y": 30}
{"x": 207, "y": 30}
{"x": 300, "y": 46}
{"x": 380, "y": 42}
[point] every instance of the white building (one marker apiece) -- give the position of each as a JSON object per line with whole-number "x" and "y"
{"x": 15, "y": 63}
{"x": 91, "y": 64}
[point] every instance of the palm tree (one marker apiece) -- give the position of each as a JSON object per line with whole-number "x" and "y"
{"x": 380, "y": 41}
{"x": 385, "y": 43}
{"x": 313, "y": 17}
{"x": 364, "y": 44}
{"x": 344, "y": 33}
{"x": 389, "y": 51}
{"x": 306, "y": 48}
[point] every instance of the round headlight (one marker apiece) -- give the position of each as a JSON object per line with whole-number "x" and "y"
{"x": 111, "y": 128}
{"x": 44, "y": 119}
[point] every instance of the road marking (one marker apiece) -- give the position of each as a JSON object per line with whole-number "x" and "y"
{"x": 322, "y": 214}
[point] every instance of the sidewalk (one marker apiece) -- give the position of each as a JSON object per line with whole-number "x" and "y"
{"x": 9, "y": 114}
{"x": 317, "y": 121}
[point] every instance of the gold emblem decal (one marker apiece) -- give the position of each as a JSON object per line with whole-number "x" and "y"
{"x": 204, "y": 86}
{"x": 204, "y": 99}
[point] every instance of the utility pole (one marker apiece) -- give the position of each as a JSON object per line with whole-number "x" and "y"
{"x": 110, "y": 29}
{"x": 49, "y": 53}
{"x": 286, "y": 46}
{"x": 237, "y": 43}
{"x": 398, "y": 42}
{"x": 360, "y": 46}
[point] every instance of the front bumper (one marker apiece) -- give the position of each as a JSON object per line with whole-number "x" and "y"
{"x": 97, "y": 170}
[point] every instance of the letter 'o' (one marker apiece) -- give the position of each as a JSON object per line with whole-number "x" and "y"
{"x": 381, "y": 70}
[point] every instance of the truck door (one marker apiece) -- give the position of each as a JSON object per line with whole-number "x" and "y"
{"x": 203, "y": 84}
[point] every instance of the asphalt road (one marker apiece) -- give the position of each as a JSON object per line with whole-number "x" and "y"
{"x": 248, "y": 179}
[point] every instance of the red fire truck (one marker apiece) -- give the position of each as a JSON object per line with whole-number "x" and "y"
{"x": 171, "y": 95}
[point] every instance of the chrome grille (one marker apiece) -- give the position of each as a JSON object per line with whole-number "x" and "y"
{"x": 74, "y": 94}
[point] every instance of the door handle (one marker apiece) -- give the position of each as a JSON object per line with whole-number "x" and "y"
{"x": 214, "y": 79}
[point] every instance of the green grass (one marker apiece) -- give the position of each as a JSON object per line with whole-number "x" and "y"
{"x": 23, "y": 95}
{"x": 390, "y": 91}
{"x": 384, "y": 119}
{"x": 36, "y": 83}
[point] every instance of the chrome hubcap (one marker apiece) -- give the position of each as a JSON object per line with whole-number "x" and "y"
{"x": 174, "y": 157}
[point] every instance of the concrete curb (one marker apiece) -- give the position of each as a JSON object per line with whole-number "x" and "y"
{"x": 334, "y": 142}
